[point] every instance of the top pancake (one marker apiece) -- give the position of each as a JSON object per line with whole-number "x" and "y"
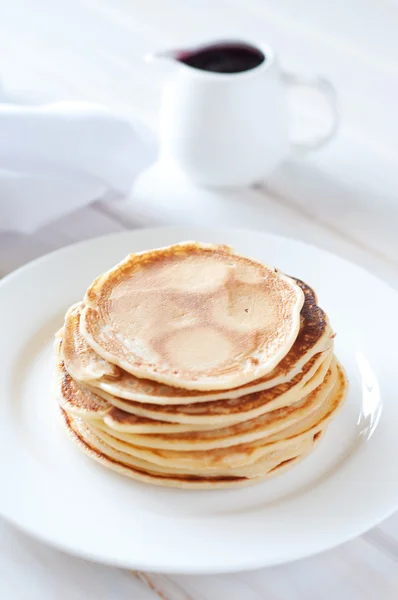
{"x": 193, "y": 316}
{"x": 84, "y": 364}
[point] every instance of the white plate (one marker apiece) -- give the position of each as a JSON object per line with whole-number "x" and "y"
{"x": 53, "y": 491}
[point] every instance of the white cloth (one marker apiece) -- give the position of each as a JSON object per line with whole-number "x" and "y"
{"x": 57, "y": 158}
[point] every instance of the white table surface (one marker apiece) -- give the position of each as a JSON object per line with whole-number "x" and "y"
{"x": 344, "y": 198}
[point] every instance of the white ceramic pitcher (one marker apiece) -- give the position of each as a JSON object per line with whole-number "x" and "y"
{"x": 231, "y": 129}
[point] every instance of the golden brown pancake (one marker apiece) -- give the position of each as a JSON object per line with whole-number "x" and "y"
{"x": 230, "y": 411}
{"x": 80, "y": 402}
{"x": 192, "y": 315}
{"x": 163, "y": 462}
{"x": 84, "y": 401}
{"x": 261, "y": 427}
{"x": 265, "y": 463}
{"x": 243, "y": 454}
{"x": 123, "y": 466}
{"x": 85, "y": 364}
{"x": 80, "y": 360}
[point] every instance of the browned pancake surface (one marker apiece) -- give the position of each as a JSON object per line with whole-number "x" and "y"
{"x": 193, "y": 315}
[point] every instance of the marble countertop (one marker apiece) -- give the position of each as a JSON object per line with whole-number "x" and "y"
{"x": 342, "y": 198}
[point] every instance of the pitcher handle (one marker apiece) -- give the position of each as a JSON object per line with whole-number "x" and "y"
{"x": 324, "y": 87}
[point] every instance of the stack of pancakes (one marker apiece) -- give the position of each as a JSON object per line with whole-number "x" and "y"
{"x": 192, "y": 366}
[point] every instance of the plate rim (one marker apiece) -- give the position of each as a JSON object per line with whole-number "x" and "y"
{"x": 171, "y": 228}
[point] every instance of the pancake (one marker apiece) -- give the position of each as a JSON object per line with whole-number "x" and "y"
{"x": 241, "y": 454}
{"x": 80, "y": 402}
{"x": 255, "y": 469}
{"x": 169, "y": 480}
{"x": 86, "y": 365}
{"x": 245, "y": 432}
{"x": 245, "y": 453}
{"x": 314, "y": 337}
{"x": 213, "y": 461}
{"x": 193, "y": 316}
{"x": 80, "y": 360}
{"x": 220, "y": 413}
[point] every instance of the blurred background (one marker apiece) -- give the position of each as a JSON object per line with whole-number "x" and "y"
{"x": 93, "y": 50}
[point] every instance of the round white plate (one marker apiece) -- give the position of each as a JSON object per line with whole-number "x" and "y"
{"x": 53, "y": 491}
